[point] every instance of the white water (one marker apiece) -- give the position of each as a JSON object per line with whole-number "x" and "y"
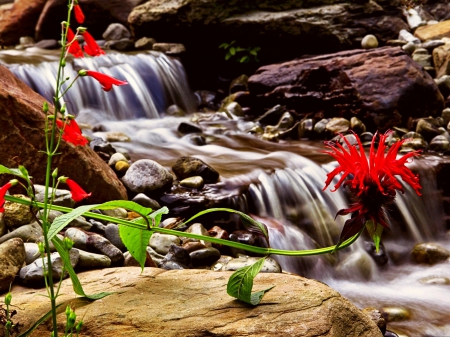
{"x": 285, "y": 192}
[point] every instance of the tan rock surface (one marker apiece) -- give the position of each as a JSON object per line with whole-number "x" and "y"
{"x": 193, "y": 303}
{"x": 433, "y": 32}
{"x": 22, "y": 136}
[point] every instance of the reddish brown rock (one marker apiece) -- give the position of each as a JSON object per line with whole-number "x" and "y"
{"x": 441, "y": 60}
{"x": 382, "y": 87}
{"x": 20, "y": 20}
{"x": 22, "y": 136}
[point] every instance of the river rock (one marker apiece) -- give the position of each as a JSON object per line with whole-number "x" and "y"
{"x": 144, "y": 43}
{"x": 121, "y": 167}
{"x": 289, "y": 84}
{"x": 338, "y": 125}
{"x": 28, "y": 233}
{"x": 12, "y": 257}
{"x": 429, "y": 253}
{"x": 197, "y": 228}
{"x": 116, "y": 31}
{"x": 187, "y": 127}
{"x": 356, "y": 265}
{"x": 23, "y": 122}
{"x": 62, "y": 197}
{"x": 145, "y": 201}
{"x": 31, "y": 252}
{"x": 435, "y": 280}
{"x": 92, "y": 261}
{"x": 204, "y": 256}
{"x": 439, "y": 144}
{"x": 78, "y": 237}
{"x": 156, "y": 257}
{"x": 16, "y": 214}
{"x": 120, "y": 45}
{"x": 369, "y": 41}
{"x": 193, "y": 182}
{"x": 169, "y": 48}
{"x": 115, "y": 157}
{"x": 147, "y": 176}
{"x": 112, "y": 234}
{"x": 176, "y": 258}
{"x": 119, "y": 212}
{"x": 396, "y": 314}
{"x": 186, "y": 167}
{"x": 188, "y": 301}
{"x": 433, "y": 32}
{"x": 20, "y": 21}
{"x": 269, "y": 266}
{"x": 161, "y": 243}
{"x": 102, "y": 245}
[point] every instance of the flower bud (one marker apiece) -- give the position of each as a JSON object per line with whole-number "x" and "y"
{"x": 8, "y": 299}
{"x": 68, "y": 244}
{"x": 62, "y": 179}
{"x": 14, "y": 181}
{"x": 71, "y": 320}
{"x": 63, "y": 109}
{"x": 82, "y": 72}
{"x": 81, "y": 30}
{"x": 63, "y": 63}
{"x": 8, "y": 325}
{"x": 41, "y": 248}
{"x": 45, "y": 106}
{"x": 68, "y": 310}
{"x": 70, "y": 117}
{"x": 64, "y": 23}
{"x": 79, "y": 326}
{"x": 55, "y": 173}
{"x": 51, "y": 117}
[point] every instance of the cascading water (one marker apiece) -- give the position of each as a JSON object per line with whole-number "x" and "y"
{"x": 284, "y": 183}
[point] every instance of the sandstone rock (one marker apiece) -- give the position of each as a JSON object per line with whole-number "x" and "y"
{"x": 377, "y": 317}
{"x": 12, "y": 257}
{"x": 17, "y": 214}
{"x": 147, "y": 176}
{"x": 20, "y": 21}
{"x": 441, "y": 59}
{"x": 433, "y": 32}
{"x": 186, "y": 167}
{"x": 22, "y": 123}
{"x": 185, "y": 303}
{"x": 333, "y": 84}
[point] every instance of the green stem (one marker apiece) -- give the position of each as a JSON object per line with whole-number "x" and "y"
{"x": 258, "y": 250}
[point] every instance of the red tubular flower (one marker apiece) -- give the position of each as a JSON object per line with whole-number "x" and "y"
{"x": 373, "y": 182}
{"x": 74, "y": 47}
{"x": 77, "y": 192}
{"x": 72, "y": 133}
{"x": 79, "y": 16}
{"x": 106, "y": 81}
{"x": 3, "y": 191}
{"x": 91, "y": 47}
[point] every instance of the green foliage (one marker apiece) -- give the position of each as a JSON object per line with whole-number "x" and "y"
{"x": 240, "y": 54}
{"x": 240, "y": 283}
{"x": 375, "y": 230}
{"x": 38, "y": 322}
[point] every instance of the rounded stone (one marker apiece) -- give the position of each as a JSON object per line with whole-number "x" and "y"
{"x": 116, "y": 157}
{"x": 121, "y": 167}
{"x": 15, "y": 214}
{"x": 377, "y": 317}
{"x": 204, "y": 256}
{"x": 28, "y": 233}
{"x": 435, "y": 280}
{"x": 116, "y": 136}
{"x": 78, "y": 237}
{"x": 197, "y": 228}
{"x": 12, "y": 257}
{"x": 145, "y": 201}
{"x": 429, "y": 253}
{"x": 116, "y": 31}
{"x": 145, "y": 43}
{"x": 105, "y": 247}
{"x": 396, "y": 314}
{"x": 357, "y": 125}
{"x": 89, "y": 260}
{"x": 338, "y": 125}
{"x": 147, "y": 176}
{"x": 112, "y": 234}
{"x": 369, "y": 41}
{"x": 321, "y": 125}
{"x": 31, "y": 252}
{"x": 161, "y": 243}
{"x": 119, "y": 212}
{"x": 269, "y": 266}
{"x": 186, "y": 167}
{"x": 439, "y": 144}
{"x": 234, "y": 109}
{"x": 193, "y": 182}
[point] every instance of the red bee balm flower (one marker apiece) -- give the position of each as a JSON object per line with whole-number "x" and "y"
{"x": 74, "y": 47}
{"x": 71, "y": 132}
{"x": 3, "y": 191}
{"x": 78, "y": 193}
{"x": 91, "y": 47}
{"x": 79, "y": 16}
{"x": 372, "y": 182}
{"x": 106, "y": 81}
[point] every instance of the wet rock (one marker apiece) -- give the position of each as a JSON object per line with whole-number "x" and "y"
{"x": 78, "y": 237}
{"x": 197, "y": 228}
{"x": 269, "y": 266}
{"x": 321, "y": 126}
{"x": 390, "y": 334}
{"x": 408, "y": 37}
{"x": 62, "y": 197}
{"x": 115, "y": 157}
{"x": 306, "y": 128}
{"x": 145, "y": 43}
{"x": 112, "y": 234}
{"x": 413, "y": 144}
{"x": 156, "y": 258}
{"x": 195, "y": 139}
{"x": 186, "y": 167}
{"x": 338, "y": 125}
{"x": 47, "y": 44}
{"x": 99, "y": 145}
{"x": 161, "y": 243}
{"x": 120, "y": 45}
{"x": 147, "y": 176}
{"x": 239, "y": 84}
{"x": 192, "y": 246}
{"x": 28, "y": 233}
{"x": 186, "y": 128}
{"x": 120, "y": 213}
{"x": 33, "y": 274}
{"x": 356, "y": 265}
{"x": 176, "y": 258}
{"x": 446, "y": 113}
{"x": 102, "y": 245}
{"x": 145, "y": 201}
{"x": 357, "y": 125}
{"x": 435, "y": 280}
{"x": 218, "y": 233}
{"x": 396, "y": 314}
{"x": 429, "y": 253}
{"x": 244, "y": 237}
{"x": 121, "y": 167}
{"x": 233, "y": 109}
{"x": 427, "y": 128}
{"x": 92, "y": 261}
{"x": 12, "y": 257}
{"x": 271, "y": 116}
{"x": 31, "y": 252}
{"x": 377, "y": 317}
{"x": 439, "y": 144}
{"x": 15, "y": 214}
{"x": 97, "y": 226}
{"x": 116, "y": 31}
{"x": 204, "y": 256}
{"x": 116, "y": 136}
{"x": 169, "y": 48}
{"x": 369, "y": 42}
{"x": 193, "y": 182}
{"x": 381, "y": 258}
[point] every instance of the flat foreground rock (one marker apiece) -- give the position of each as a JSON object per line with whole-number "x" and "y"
{"x": 193, "y": 303}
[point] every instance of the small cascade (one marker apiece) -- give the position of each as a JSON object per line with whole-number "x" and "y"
{"x": 155, "y": 82}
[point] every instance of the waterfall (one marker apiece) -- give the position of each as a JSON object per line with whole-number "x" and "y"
{"x": 156, "y": 81}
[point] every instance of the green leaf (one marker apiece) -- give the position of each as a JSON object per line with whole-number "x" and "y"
{"x": 253, "y": 52}
{"x": 77, "y": 288}
{"x": 224, "y": 45}
{"x": 244, "y": 59}
{"x": 136, "y": 241}
{"x": 375, "y": 231}
{"x": 232, "y": 51}
{"x": 239, "y": 49}
{"x": 156, "y": 215}
{"x": 240, "y": 283}
{"x": 15, "y": 172}
{"x": 38, "y": 322}
{"x": 227, "y": 56}
{"x": 62, "y": 221}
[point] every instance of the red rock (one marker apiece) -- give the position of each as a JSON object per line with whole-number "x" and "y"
{"x": 22, "y": 136}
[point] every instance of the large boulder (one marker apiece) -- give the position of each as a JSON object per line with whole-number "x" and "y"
{"x": 192, "y": 303}
{"x": 382, "y": 87}
{"x": 22, "y": 137}
{"x": 20, "y": 20}
{"x": 98, "y": 15}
